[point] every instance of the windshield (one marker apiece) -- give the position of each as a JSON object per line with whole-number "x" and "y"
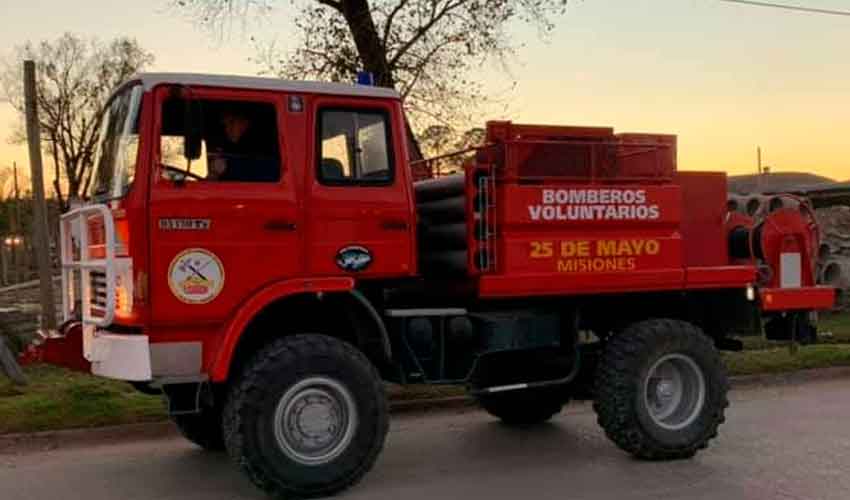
{"x": 115, "y": 161}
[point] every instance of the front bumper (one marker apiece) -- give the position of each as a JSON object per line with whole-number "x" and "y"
{"x": 100, "y": 352}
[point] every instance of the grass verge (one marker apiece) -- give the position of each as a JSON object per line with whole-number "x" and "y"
{"x": 779, "y": 360}
{"x": 59, "y": 399}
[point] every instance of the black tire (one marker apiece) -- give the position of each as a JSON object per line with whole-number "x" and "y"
{"x": 622, "y": 383}
{"x": 524, "y": 407}
{"x": 256, "y": 398}
{"x": 204, "y": 429}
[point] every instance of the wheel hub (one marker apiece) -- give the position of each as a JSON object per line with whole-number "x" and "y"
{"x": 315, "y": 421}
{"x": 665, "y": 389}
{"x": 674, "y": 391}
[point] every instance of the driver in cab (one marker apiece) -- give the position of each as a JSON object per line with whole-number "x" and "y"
{"x": 236, "y": 156}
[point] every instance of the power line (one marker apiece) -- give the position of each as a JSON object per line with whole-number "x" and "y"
{"x": 798, "y": 8}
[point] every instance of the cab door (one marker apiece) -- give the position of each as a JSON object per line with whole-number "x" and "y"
{"x": 215, "y": 242}
{"x": 361, "y": 220}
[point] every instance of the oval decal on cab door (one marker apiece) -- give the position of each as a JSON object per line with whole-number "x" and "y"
{"x": 353, "y": 258}
{"x": 196, "y": 276}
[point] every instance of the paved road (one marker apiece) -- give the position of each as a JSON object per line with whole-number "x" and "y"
{"x": 790, "y": 442}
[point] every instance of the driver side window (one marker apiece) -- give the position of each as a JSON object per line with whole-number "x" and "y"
{"x": 238, "y": 141}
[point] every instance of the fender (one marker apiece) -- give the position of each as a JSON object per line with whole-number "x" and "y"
{"x": 233, "y": 329}
{"x": 382, "y": 328}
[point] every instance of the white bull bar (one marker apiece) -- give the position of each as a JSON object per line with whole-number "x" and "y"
{"x": 74, "y": 224}
{"x": 118, "y": 356}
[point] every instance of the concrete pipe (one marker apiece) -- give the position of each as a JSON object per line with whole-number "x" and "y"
{"x": 736, "y": 203}
{"x": 824, "y": 253}
{"x": 777, "y": 202}
{"x": 835, "y": 273}
{"x": 732, "y": 204}
{"x": 754, "y": 205}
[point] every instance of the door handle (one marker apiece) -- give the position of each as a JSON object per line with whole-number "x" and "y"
{"x": 279, "y": 225}
{"x": 394, "y": 225}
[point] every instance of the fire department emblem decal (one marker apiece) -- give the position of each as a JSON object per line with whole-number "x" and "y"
{"x": 196, "y": 276}
{"x": 353, "y": 258}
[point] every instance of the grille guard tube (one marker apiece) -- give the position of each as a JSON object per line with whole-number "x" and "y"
{"x": 73, "y": 224}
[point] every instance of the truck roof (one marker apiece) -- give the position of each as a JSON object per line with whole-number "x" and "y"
{"x": 150, "y": 80}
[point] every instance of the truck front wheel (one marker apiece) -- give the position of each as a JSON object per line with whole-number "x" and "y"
{"x": 661, "y": 390}
{"x": 308, "y": 417}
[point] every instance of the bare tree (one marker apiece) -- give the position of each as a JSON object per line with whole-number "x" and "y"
{"x": 436, "y": 139}
{"x": 426, "y": 49}
{"x": 449, "y": 148}
{"x": 75, "y": 78}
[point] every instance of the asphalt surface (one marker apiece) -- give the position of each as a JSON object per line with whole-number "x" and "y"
{"x": 787, "y": 442}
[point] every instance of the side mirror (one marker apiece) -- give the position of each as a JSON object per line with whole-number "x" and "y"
{"x": 193, "y": 129}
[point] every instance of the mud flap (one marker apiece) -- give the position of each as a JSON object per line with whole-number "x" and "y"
{"x": 9, "y": 364}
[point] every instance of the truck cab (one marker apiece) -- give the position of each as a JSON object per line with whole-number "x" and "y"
{"x": 218, "y": 188}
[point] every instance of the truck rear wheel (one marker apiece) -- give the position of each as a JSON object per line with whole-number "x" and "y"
{"x": 661, "y": 390}
{"x": 525, "y": 406}
{"x": 308, "y": 417}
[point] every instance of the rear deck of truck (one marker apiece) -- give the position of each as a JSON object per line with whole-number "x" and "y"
{"x": 567, "y": 210}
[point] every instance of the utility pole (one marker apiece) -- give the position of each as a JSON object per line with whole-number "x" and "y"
{"x": 758, "y": 167}
{"x": 40, "y": 241}
{"x": 16, "y": 225}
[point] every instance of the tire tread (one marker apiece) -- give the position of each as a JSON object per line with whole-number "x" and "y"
{"x": 256, "y": 380}
{"x": 617, "y": 385}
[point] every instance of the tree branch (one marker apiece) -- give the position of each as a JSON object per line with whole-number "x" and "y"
{"x": 422, "y": 30}
{"x": 334, "y": 4}
{"x": 390, "y": 18}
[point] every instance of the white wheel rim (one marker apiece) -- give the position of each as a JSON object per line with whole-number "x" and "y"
{"x": 315, "y": 421}
{"x": 674, "y": 391}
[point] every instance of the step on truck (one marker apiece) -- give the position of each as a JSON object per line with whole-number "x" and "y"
{"x": 264, "y": 254}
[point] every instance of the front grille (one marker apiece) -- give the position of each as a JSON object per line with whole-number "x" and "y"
{"x": 97, "y": 280}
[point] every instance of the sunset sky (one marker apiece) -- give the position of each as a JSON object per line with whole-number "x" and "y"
{"x": 725, "y": 78}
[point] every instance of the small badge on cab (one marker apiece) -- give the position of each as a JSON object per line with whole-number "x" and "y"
{"x": 353, "y": 258}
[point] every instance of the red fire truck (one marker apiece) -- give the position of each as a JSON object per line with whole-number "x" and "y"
{"x": 263, "y": 253}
